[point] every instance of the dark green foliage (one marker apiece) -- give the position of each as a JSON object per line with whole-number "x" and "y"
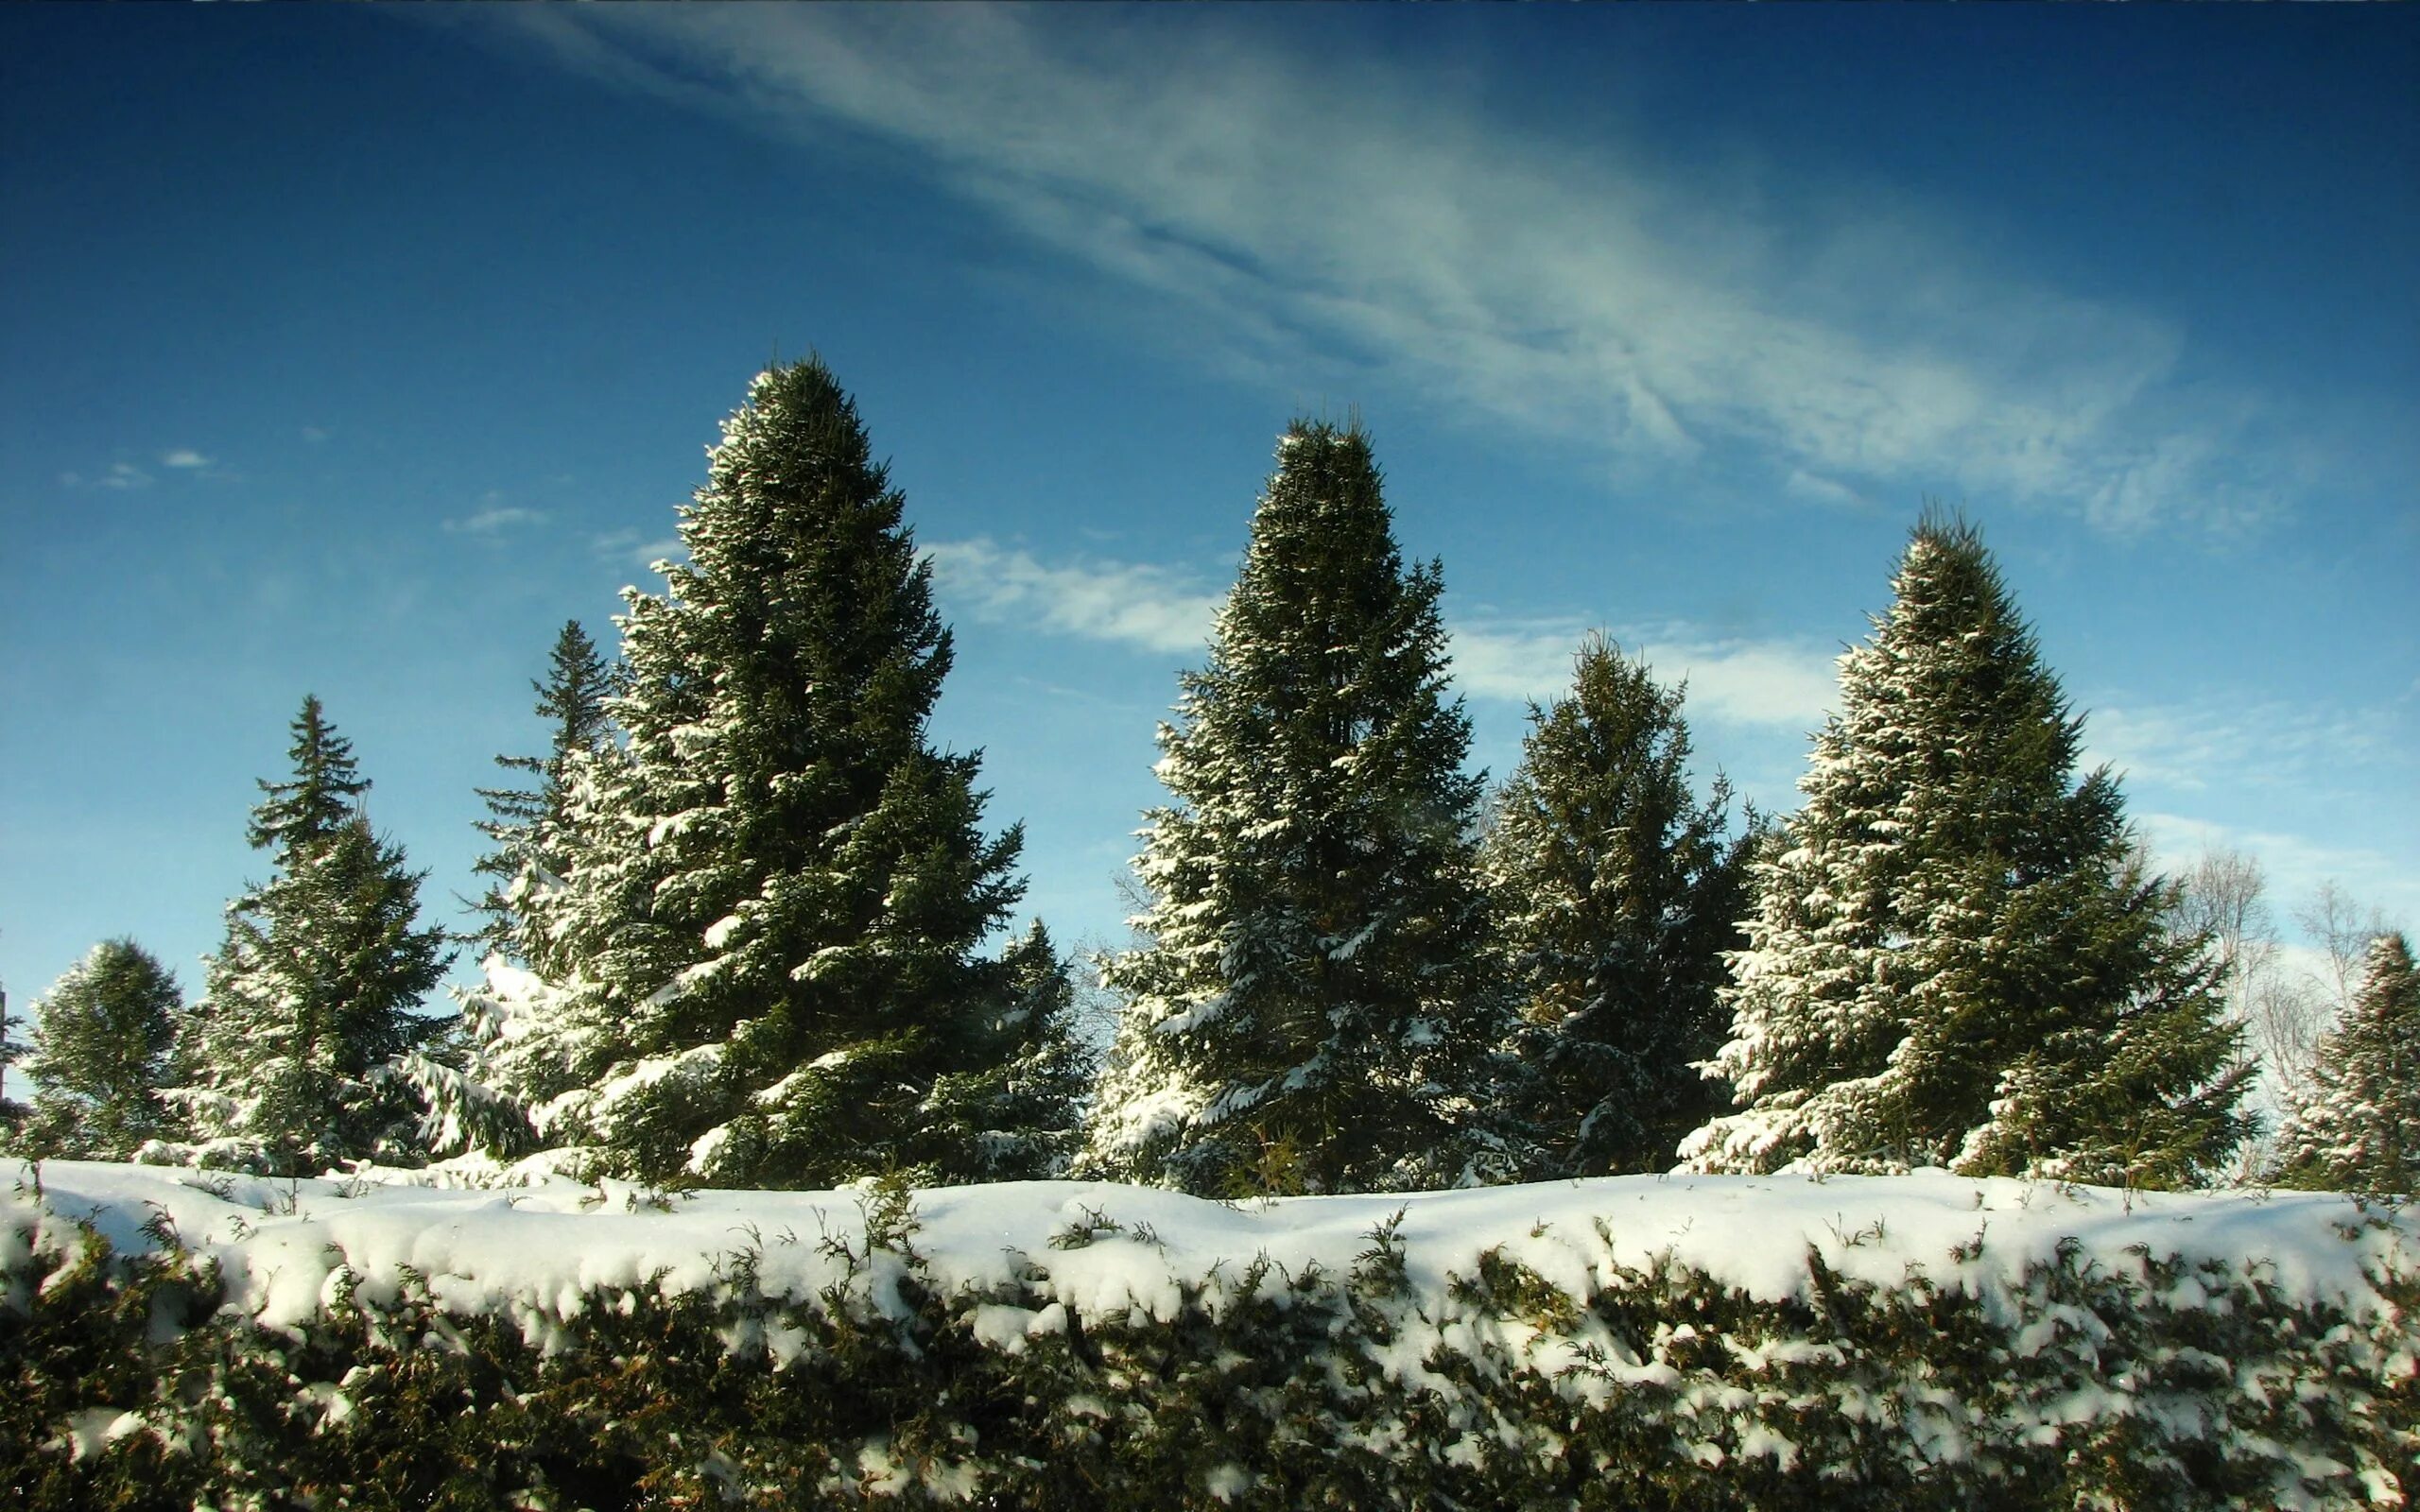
{"x": 313, "y": 1000}
{"x": 1314, "y": 1009}
{"x": 106, "y": 1332}
{"x": 2152, "y": 1386}
{"x": 1954, "y": 958}
{"x": 1620, "y": 893}
{"x": 13, "y": 1050}
{"x": 302, "y": 815}
{"x": 527, "y": 824}
{"x": 1014, "y": 1116}
{"x": 2355, "y": 1127}
{"x": 101, "y": 1053}
{"x": 762, "y": 958}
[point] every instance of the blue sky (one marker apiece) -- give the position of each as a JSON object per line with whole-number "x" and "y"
{"x": 353, "y": 351}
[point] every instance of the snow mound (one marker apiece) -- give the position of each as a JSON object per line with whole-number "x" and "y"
{"x": 534, "y": 1251}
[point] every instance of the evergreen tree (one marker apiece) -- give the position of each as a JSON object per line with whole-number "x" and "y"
{"x": 12, "y": 1113}
{"x": 2354, "y": 1125}
{"x": 1015, "y": 1115}
{"x": 1312, "y": 1010}
{"x": 101, "y": 1053}
{"x": 1620, "y": 893}
{"x": 312, "y": 1002}
{"x": 1953, "y": 959}
{"x": 528, "y": 824}
{"x": 760, "y": 962}
{"x": 325, "y": 795}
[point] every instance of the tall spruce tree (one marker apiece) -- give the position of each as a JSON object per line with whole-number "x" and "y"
{"x": 313, "y": 1000}
{"x": 527, "y": 824}
{"x": 101, "y": 1053}
{"x": 1620, "y": 893}
{"x": 1313, "y": 1010}
{"x": 1953, "y": 958}
{"x": 761, "y": 962}
{"x": 2354, "y": 1125}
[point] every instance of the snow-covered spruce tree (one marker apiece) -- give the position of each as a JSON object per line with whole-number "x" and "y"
{"x": 1953, "y": 958}
{"x": 514, "y": 1031}
{"x": 526, "y": 823}
{"x": 544, "y": 1032}
{"x": 1314, "y": 1008}
{"x": 101, "y": 1053}
{"x": 1621, "y": 892}
{"x": 2355, "y": 1124}
{"x": 313, "y": 1001}
{"x": 760, "y": 965}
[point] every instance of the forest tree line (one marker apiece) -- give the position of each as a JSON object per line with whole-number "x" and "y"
{"x": 739, "y": 920}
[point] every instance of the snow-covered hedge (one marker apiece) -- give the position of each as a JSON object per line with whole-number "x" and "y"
{"x": 173, "y": 1339}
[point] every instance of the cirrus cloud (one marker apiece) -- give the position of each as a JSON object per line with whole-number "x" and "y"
{"x": 1162, "y": 609}
{"x": 495, "y": 520}
{"x": 1848, "y": 341}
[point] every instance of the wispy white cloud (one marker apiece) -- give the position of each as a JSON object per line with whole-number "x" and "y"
{"x": 121, "y": 475}
{"x": 1150, "y": 609}
{"x": 1520, "y": 662}
{"x": 2233, "y": 743}
{"x": 1746, "y": 681}
{"x": 1160, "y": 610}
{"x": 2294, "y": 864}
{"x": 495, "y": 520}
{"x": 1305, "y": 209}
{"x": 1790, "y": 683}
{"x": 637, "y": 549}
{"x": 2313, "y": 771}
{"x": 1805, "y": 485}
{"x": 127, "y": 476}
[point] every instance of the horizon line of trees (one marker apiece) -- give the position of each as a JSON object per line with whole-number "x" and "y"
{"x": 739, "y": 918}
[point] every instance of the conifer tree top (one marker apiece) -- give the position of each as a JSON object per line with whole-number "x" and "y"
{"x": 571, "y": 696}
{"x": 802, "y": 586}
{"x": 1322, "y": 554}
{"x": 2389, "y": 960}
{"x": 323, "y": 794}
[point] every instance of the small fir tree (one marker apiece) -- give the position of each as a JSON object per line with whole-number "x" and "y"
{"x": 1015, "y": 1115}
{"x": 1313, "y": 1008}
{"x": 761, "y": 961}
{"x": 12, "y": 1113}
{"x": 313, "y": 1003}
{"x": 101, "y": 1053}
{"x": 527, "y": 824}
{"x": 544, "y": 1034}
{"x": 524, "y": 1043}
{"x": 2354, "y": 1125}
{"x": 1952, "y": 960}
{"x": 1621, "y": 892}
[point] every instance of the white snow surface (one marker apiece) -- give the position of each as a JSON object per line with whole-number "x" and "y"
{"x": 538, "y": 1253}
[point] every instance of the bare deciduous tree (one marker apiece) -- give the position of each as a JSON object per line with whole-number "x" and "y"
{"x": 2343, "y": 929}
{"x": 2226, "y": 894}
{"x": 2284, "y": 1006}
